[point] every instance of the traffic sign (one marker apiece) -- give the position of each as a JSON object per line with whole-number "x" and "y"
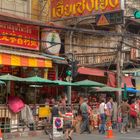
{"x": 137, "y": 14}
{"x": 58, "y": 123}
{"x": 109, "y": 18}
{"x": 57, "y": 127}
{"x": 102, "y": 21}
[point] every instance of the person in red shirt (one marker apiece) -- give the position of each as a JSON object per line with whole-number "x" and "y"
{"x": 133, "y": 114}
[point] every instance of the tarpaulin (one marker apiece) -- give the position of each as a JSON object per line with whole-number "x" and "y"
{"x": 91, "y": 71}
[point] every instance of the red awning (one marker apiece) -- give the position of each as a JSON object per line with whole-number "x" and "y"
{"x": 128, "y": 81}
{"x": 112, "y": 81}
{"x": 91, "y": 71}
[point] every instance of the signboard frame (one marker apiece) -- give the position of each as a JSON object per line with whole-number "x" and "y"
{"x": 109, "y": 19}
{"x": 79, "y": 8}
{"x": 19, "y": 35}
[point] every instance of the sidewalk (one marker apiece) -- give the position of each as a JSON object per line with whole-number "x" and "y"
{"x": 23, "y": 135}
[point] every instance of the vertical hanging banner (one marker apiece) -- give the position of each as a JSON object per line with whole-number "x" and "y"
{"x": 76, "y": 8}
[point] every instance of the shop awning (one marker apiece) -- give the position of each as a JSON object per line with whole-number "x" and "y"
{"x": 132, "y": 90}
{"x": 15, "y": 58}
{"x": 90, "y": 71}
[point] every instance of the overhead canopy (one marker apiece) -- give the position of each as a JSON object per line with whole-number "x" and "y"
{"x": 109, "y": 89}
{"x": 37, "y": 79}
{"x": 9, "y": 77}
{"x": 89, "y": 83}
{"x": 132, "y": 90}
{"x": 63, "y": 83}
{"x": 90, "y": 71}
{"x": 19, "y": 58}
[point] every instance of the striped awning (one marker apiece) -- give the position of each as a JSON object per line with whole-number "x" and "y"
{"x": 24, "y": 60}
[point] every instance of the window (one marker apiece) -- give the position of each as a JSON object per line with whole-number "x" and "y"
{"x": 17, "y": 7}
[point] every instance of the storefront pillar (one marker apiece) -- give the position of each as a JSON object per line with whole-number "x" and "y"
{"x": 46, "y": 73}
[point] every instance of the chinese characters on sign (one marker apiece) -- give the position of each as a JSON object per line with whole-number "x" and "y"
{"x": 70, "y": 8}
{"x": 19, "y": 35}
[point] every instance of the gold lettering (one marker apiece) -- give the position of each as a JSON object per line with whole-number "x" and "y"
{"x": 91, "y": 7}
{"x": 68, "y": 10}
{"x": 80, "y": 6}
{"x": 33, "y": 43}
{"x": 53, "y": 13}
{"x": 96, "y": 5}
{"x": 113, "y": 3}
{"x": 20, "y": 40}
{"x": 103, "y": 4}
{"x": 60, "y": 9}
{"x": 4, "y": 37}
{"x": 74, "y": 9}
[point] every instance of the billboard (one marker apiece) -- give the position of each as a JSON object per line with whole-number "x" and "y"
{"x": 19, "y": 35}
{"x": 76, "y": 8}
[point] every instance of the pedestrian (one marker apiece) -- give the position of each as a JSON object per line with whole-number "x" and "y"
{"x": 55, "y": 111}
{"x": 102, "y": 110}
{"x": 114, "y": 114}
{"x": 109, "y": 109}
{"x": 133, "y": 114}
{"x": 68, "y": 121}
{"x": 119, "y": 120}
{"x": 125, "y": 109}
{"x": 85, "y": 116}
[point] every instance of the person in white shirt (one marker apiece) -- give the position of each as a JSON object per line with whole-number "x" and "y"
{"x": 102, "y": 109}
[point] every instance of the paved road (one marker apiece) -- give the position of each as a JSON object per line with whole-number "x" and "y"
{"x": 133, "y": 135}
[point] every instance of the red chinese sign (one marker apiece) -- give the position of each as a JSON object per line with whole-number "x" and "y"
{"x": 71, "y": 8}
{"x": 19, "y": 35}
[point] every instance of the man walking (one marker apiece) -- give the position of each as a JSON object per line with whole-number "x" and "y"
{"x": 85, "y": 116}
{"x": 125, "y": 109}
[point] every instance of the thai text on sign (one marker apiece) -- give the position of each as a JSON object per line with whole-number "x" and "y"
{"x": 19, "y": 35}
{"x": 69, "y": 8}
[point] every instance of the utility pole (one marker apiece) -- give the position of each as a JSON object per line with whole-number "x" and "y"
{"x": 119, "y": 63}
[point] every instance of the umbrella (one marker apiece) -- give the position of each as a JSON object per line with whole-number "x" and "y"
{"x": 63, "y": 83}
{"x": 9, "y": 77}
{"x": 1, "y": 82}
{"x": 37, "y": 79}
{"x": 109, "y": 89}
{"x": 88, "y": 83}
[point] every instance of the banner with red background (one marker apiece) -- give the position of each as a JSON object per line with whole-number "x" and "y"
{"x": 72, "y": 8}
{"x": 19, "y": 35}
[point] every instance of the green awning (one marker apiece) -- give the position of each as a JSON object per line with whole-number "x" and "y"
{"x": 63, "y": 83}
{"x": 89, "y": 83}
{"x": 9, "y": 77}
{"x": 109, "y": 89}
{"x": 37, "y": 79}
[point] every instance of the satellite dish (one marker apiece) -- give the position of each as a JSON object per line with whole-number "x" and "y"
{"x": 51, "y": 42}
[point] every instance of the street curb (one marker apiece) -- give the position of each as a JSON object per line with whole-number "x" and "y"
{"x": 22, "y": 134}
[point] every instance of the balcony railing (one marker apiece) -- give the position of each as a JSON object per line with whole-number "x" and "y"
{"x": 93, "y": 59}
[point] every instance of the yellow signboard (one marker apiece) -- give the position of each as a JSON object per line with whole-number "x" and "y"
{"x": 44, "y": 112}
